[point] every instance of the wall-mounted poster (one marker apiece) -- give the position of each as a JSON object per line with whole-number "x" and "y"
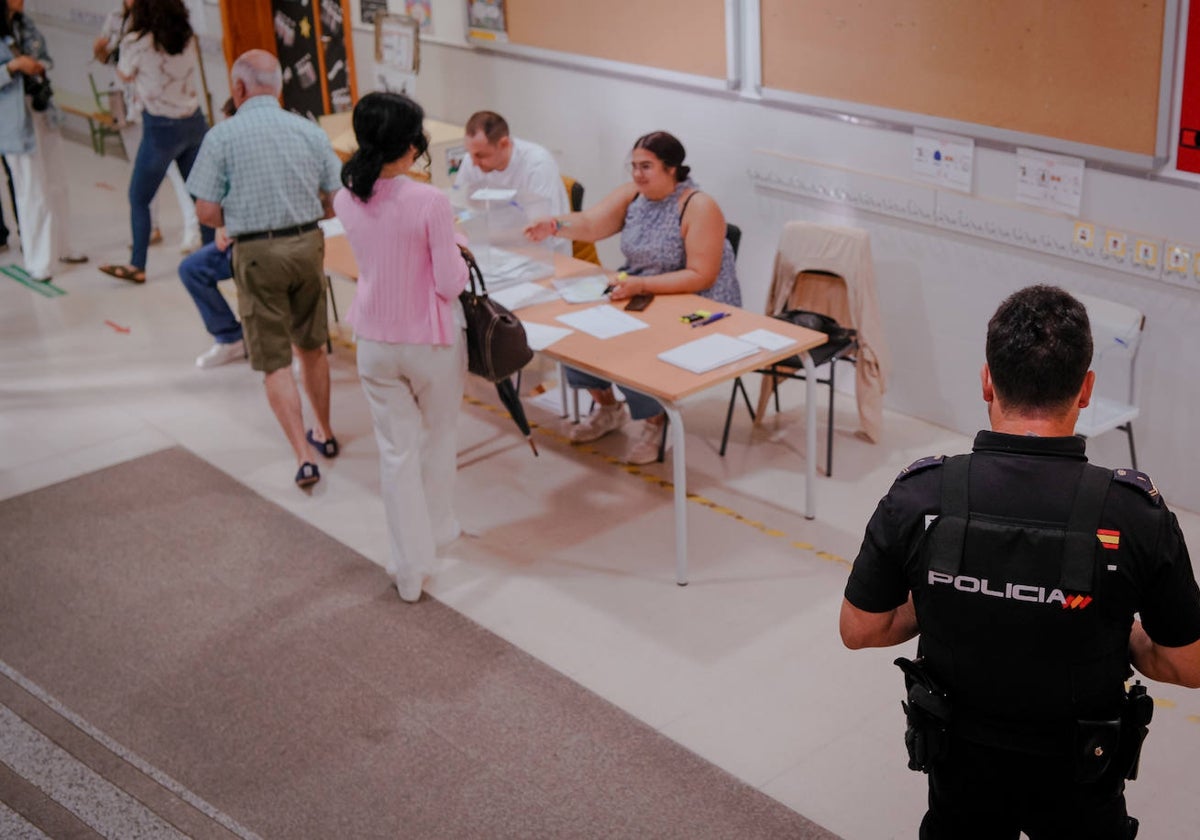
{"x": 310, "y": 40}
{"x": 485, "y": 20}
{"x": 422, "y": 12}
{"x": 296, "y": 46}
{"x": 367, "y": 10}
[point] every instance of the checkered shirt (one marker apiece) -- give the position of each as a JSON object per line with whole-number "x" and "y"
{"x": 266, "y": 167}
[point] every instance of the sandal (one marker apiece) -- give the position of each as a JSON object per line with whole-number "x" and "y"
{"x": 329, "y": 448}
{"x": 125, "y": 272}
{"x": 308, "y": 475}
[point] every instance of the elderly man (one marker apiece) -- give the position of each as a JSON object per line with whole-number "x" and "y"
{"x": 496, "y": 160}
{"x": 268, "y": 176}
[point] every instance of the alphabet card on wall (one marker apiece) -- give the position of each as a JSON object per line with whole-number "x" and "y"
{"x": 943, "y": 159}
{"x": 1054, "y": 182}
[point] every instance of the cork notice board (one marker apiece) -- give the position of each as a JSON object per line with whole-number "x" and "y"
{"x": 1085, "y": 71}
{"x": 687, "y": 36}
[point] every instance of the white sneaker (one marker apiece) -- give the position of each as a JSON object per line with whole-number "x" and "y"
{"x": 605, "y": 419}
{"x": 222, "y": 354}
{"x": 190, "y": 242}
{"x": 644, "y": 449}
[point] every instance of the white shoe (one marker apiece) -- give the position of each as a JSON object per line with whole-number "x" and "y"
{"x": 644, "y": 449}
{"x": 222, "y": 354}
{"x": 605, "y": 419}
{"x": 190, "y": 242}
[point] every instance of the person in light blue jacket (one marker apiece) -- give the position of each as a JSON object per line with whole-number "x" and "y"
{"x": 31, "y": 143}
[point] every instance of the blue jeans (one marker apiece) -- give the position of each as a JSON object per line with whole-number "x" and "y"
{"x": 163, "y": 140}
{"x": 640, "y": 405}
{"x": 200, "y": 272}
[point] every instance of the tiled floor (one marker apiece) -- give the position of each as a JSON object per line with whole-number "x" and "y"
{"x": 570, "y": 556}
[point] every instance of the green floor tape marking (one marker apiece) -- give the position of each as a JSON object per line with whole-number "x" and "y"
{"x": 19, "y": 274}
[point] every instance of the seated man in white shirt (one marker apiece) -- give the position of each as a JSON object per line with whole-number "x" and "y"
{"x": 496, "y": 160}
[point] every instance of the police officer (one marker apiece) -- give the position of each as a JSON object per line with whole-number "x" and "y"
{"x": 1021, "y": 567}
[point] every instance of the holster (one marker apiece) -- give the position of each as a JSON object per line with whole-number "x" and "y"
{"x": 1112, "y": 748}
{"x": 928, "y": 712}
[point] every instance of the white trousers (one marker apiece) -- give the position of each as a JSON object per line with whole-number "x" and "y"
{"x": 131, "y": 139}
{"x": 40, "y": 182}
{"x": 415, "y": 392}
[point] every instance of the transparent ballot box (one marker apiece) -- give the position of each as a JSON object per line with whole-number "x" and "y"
{"x": 494, "y": 222}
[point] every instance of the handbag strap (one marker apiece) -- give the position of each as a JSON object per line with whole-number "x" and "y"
{"x": 473, "y": 273}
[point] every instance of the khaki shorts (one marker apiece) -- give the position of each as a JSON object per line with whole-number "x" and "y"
{"x": 281, "y": 297}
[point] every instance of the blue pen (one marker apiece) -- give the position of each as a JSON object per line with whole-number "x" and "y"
{"x": 714, "y": 317}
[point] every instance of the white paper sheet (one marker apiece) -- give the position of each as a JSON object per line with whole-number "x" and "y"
{"x": 708, "y": 353}
{"x": 603, "y": 321}
{"x": 502, "y": 268}
{"x": 487, "y": 194}
{"x": 331, "y": 227}
{"x": 522, "y": 295}
{"x": 589, "y": 289}
{"x": 768, "y": 340}
{"x": 541, "y": 336}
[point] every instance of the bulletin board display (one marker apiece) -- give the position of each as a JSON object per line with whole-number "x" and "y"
{"x": 686, "y": 36}
{"x": 1084, "y": 72}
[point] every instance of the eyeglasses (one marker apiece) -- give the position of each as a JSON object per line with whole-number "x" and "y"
{"x": 644, "y": 166}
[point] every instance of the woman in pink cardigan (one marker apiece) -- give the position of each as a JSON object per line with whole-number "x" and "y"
{"x": 412, "y": 359}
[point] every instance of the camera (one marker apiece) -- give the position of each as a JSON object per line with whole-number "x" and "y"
{"x": 38, "y": 89}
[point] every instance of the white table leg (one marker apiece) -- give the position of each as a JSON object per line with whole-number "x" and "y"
{"x": 562, "y": 390}
{"x": 679, "y": 468}
{"x": 810, "y": 436}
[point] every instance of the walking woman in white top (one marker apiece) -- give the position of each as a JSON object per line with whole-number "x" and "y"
{"x": 107, "y": 49}
{"x": 159, "y": 57}
{"x": 31, "y": 143}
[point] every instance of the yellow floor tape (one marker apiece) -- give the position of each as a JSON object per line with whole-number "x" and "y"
{"x": 667, "y": 485}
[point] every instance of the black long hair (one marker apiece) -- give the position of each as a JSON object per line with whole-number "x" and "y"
{"x": 387, "y": 125}
{"x": 166, "y": 20}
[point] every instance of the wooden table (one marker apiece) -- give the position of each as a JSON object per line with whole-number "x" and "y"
{"x": 632, "y": 360}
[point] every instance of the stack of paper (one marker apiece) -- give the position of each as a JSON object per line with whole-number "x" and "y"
{"x": 768, "y": 340}
{"x": 331, "y": 227}
{"x": 504, "y": 268}
{"x": 603, "y": 321}
{"x": 587, "y": 289}
{"x": 709, "y": 353}
{"x": 522, "y": 295}
{"x": 487, "y": 194}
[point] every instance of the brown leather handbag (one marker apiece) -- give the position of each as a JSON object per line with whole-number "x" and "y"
{"x": 496, "y": 343}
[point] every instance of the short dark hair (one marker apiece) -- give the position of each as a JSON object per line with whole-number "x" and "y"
{"x": 386, "y": 126}
{"x": 493, "y": 126}
{"x": 1039, "y": 348}
{"x": 667, "y": 148}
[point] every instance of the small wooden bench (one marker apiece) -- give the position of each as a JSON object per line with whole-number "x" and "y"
{"x": 101, "y": 123}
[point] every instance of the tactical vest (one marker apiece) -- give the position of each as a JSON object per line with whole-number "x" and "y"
{"x": 1009, "y": 623}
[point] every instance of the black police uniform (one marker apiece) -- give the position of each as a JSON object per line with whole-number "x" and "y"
{"x": 1023, "y": 650}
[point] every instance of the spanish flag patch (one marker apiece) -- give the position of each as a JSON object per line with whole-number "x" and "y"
{"x": 1109, "y": 539}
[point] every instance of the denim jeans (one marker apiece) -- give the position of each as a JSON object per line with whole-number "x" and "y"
{"x": 200, "y": 272}
{"x": 163, "y": 140}
{"x": 640, "y": 405}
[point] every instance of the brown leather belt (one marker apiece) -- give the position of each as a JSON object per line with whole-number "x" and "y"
{"x": 294, "y": 230}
